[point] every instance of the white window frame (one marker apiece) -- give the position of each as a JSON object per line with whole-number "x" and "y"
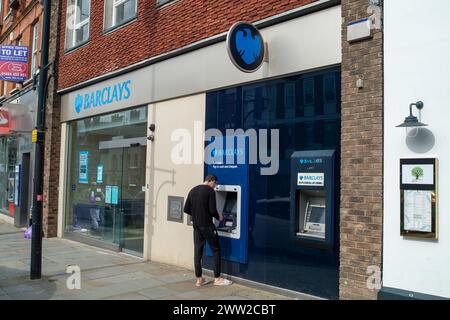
{"x": 114, "y": 7}
{"x": 76, "y": 26}
{"x": 34, "y": 48}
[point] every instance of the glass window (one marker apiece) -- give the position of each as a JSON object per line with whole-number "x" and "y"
{"x": 305, "y": 108}
{"x": 34, "y": 48}
{"x": 106, "y": 183}
{"x": 77, "y": 22}
{"x": 118, "y": 12}
{"x": 162, "y": 2}
{"x": 8, "y": 161}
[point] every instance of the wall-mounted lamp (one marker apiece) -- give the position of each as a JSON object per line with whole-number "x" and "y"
{"x": 412, "y": 121}
{"x": 152, "y": 128}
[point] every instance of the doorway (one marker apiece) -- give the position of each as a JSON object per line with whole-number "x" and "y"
{"x": 124, "y": 170}
{"x": 22, "y": 217}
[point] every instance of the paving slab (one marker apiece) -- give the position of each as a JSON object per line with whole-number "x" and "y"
{"x": 157, "y": 293}
{"x": 128, "y": 296}
{"x": 104, "y": 275}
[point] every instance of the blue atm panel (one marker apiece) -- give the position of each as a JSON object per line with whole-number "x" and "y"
{"x": 232, "y": 200}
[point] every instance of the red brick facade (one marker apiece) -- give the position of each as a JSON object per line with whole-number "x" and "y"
{"x": 156, "y": 31}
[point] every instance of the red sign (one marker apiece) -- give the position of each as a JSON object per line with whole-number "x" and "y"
{"x": 4, "y": 122}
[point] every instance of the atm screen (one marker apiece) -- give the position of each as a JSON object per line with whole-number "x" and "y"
{"x": 317, "y": 214}
{"x": 231, "y": 203}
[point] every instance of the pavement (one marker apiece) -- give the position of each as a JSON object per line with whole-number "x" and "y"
{"x": 104, "y": 275}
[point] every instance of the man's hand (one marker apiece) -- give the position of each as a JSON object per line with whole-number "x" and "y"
{"x": 220, "y": 216}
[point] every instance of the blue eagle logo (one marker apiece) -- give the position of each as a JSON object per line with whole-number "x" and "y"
{"x": 78, "y": 103}
{"x": 248, "y": 46}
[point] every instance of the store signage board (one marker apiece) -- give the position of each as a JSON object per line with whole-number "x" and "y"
{"x": 115, "y": 195}
{"x": 100, "y": 174}
{"x": 83, "y": 167}
{"x": 310, "y": 179}
{"x": 418, "y": 174}
{"x": 418, "y": 198}
{"x": 103, "y": 97}
{"x": 246, "y": 47}
{"x": 13, "y": 63}
{"x": 108, "y": 194}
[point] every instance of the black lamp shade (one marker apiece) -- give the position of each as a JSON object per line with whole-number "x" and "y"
{"x": 410, "y": 122}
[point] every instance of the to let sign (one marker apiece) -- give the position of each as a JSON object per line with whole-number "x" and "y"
{"x": 14, "y": 63}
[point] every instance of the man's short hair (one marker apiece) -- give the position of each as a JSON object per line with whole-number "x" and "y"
{"x": 211, "y": 178}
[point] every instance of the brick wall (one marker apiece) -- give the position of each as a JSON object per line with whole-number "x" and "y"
{"x": 52, "y": 136}
{"x": 362, "y": 156}
{"x": 156, "y": 31}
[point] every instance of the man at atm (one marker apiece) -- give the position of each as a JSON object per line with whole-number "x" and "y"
{"x": 201, "y": 205}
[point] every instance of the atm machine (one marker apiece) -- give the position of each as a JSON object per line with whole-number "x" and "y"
{"x": 231, "y": 200}
{"x": 312, "y": 198}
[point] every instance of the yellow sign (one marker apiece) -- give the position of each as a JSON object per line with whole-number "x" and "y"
{"x": 34, "y": 135}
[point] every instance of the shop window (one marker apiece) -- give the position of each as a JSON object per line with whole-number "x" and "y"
{"x": 305, "y": 108}
{"x": 308, "y": 97}
{"x": 106, "y": 181}
{"x": 118, "y": 12}
{"x": 8, "y": 161}
{"x": 34, "y": 48}
{"x": 329, "y": 94}
{"x": 77, "y": 22}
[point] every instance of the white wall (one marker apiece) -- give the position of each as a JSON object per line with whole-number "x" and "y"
{"x": 166, "y": 241}
{"x": 417, "y": 67}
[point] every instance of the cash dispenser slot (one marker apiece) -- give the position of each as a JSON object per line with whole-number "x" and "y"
{"x": 312, "y": 213}
{"x": 228, "y": 201}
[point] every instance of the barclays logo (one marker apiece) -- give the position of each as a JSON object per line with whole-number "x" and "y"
{"x": 78, "y": 103}
{"x": 103, "y": 97}
{"x": 248, "y": 45}
{"x": 310, "y": 161}
{"x": 226, "y": 152}
{"x": 245, "y": 47}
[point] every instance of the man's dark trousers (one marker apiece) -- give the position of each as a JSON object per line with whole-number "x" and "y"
{"x": 209, "y": 234}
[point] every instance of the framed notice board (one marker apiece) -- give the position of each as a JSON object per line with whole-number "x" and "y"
{"x": 418, "y": 198}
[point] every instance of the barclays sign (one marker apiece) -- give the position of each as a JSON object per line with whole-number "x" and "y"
{"x": 103, "y": 97}
{"x": 246, "y": 47}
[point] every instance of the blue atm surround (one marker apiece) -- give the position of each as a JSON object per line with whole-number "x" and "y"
{"x": 233, "y": 174}
{"x": 313, "y": 178}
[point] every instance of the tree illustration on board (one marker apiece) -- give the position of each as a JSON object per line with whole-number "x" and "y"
{"x": 417, "y": 172}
